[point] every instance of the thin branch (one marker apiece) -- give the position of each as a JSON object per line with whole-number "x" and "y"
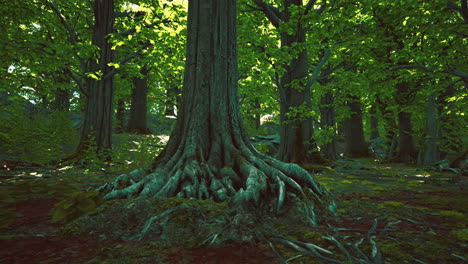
{"x": 271, "y": 12}
{"x": 451, "y": 71}
{"x": 77, "y": 81}
{"x": 309, "y": 6}
{"x": 73, "y": 38}
{"x": 132, "y": 31}
{"x": 127, "y": 59}
{"x": 318, "y": 68}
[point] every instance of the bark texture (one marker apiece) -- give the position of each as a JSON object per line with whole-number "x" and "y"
{"x": 296, "y": 142}
{"x": 97, "y": 127}
{"x": 356, "y": 146}
{"x": 328, "y": 123}
{"x": 138, "y": 108}
{"x": 209, "y": 155}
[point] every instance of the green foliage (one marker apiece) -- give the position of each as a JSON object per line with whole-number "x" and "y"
{"x": 38, "y": 138}
{"x": 77, "y": 204}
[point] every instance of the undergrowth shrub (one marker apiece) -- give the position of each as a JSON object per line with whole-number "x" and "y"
{"x": 37, "y": 138}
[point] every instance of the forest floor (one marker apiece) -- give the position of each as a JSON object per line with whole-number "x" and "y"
{"x": 414, "y": 216}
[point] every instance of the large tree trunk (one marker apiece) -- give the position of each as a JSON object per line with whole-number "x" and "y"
{"x": 97, "y": 127}
{"x": 209, "y": 155}
{"x": 356, "y": 146}
{"x": 137, "y": 122}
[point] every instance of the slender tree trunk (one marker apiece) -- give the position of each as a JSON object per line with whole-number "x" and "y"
{"x": 356, "y": 146}
{"x": 137, "y": 122}
{"x": 62, "y": 100}
{"x": 209, "y": 155}
{"x": 172, "y": 101}
{"x": 374, "y": 123}
{"x": 390, "y": 137}
{"x": 97, "y": 127}
{"x": 328, "y": 123}
{"x": 430, "y": 155}
{"x": 120, "y": 116}
{"x": 406, "y": 150}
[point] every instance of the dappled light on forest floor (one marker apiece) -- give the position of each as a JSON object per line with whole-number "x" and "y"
{"x": 410, "y": 218}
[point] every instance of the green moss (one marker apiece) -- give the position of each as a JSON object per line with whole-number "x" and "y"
{"x": 393, "y": 203}
{"x": 378, "y": 189}
{"x": 452, "y": 213}
{"x": 368, "y": 183}
{"x": 461, "y": 235}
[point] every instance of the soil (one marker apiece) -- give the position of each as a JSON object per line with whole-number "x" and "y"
{"x": 414, "y": 215}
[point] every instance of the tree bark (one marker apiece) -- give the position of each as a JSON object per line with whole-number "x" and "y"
{"x": 296, "y": 142}
{"x": 97, "y": 127}
{"x": 328, "y": 123}
{"x": 356, "y": 146}
{"x": 209, "y": 155}
{"x": 374, "y": 123}
{"x": 120, "y": 116}
{"x": 431, "y": 155}
{"x": 406, "y": 150}
{"x": 137, "y": 122}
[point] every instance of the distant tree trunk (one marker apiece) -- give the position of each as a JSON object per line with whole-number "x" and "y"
{"x": 374, "y": 123}
{"x": 296, "y": 142}
{"x": 356, "y": 146}
{"x": 450, "y": 135}
{"x": 62, "y": 100}
{"x": 209, "y": 155}
{"x": 296, "y": 132}
{"x": 137, "y": 122}
{"x": 97, "y": 127}
{"x": 390, "y": 137}
{"x": 120, "y": 116}
{"x": 172, "y": 101}
{"x": 406, "y": 150}
{"x": 328, "y": 123}
{"x": 431, "y": 155}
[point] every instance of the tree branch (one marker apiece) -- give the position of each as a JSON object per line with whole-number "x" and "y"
{"x": 132, "y": 31}
{"x": 73, "y": 38}
{"x": 127, "y": 59}
{"x": 318, "y": 68}
{"x": 309, "y": 6}
{"x": 77, "y": 81}
{"x": 271, "y": 12}
{"x": 451, "y": 71}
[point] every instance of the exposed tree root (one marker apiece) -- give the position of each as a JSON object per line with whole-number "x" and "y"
{"x": 248, "y": 181}
{"x": 349, "y": 247}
